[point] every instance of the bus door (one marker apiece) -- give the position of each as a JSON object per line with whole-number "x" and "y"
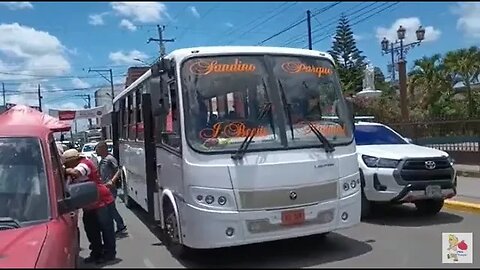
{"x": 168, "y": 136}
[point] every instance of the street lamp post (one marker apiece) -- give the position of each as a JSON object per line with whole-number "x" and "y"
{"x": 400, "y": 50}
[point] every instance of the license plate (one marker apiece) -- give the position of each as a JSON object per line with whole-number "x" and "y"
{"x": 293, "y": 217}
{"x": 433, "y": 191}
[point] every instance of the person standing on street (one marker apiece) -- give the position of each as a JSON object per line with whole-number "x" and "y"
{"x": 97, "y": 220}
{"x": 110, "y": 175}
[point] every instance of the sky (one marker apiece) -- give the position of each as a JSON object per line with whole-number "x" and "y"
{"x": 54, "y": 44}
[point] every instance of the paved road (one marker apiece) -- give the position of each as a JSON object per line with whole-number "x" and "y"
{"x": 400, "y": 238}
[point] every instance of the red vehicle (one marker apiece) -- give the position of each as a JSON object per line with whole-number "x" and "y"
{"x": 38, "y": 210}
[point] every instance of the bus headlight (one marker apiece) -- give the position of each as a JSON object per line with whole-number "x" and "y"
{"x": 350, "y": 185}
{"x": 222, "y": 200}
{"x": 209, "y": 199}
{"x": 214, "y": 198}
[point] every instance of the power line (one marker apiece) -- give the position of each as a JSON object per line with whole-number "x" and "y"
{"x": 22, "y": 81}
{"x": 17, "y": 92}
{"x": 331, "y": 21}
{"x": 332, "y": 25}
{"x": 203, "y": 17}
{"x": 231, "y": 31}
{"x": 266, "y": 20}
{"x": 360, "y": 21}
{"x": 299, "y": 22}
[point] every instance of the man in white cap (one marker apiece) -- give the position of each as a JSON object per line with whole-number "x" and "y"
{"x": 97, "y": 220}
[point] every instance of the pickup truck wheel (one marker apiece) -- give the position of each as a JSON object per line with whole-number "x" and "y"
{"x": 429, "y": 207}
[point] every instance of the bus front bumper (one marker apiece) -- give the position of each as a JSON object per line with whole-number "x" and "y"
{"x": 206, "y": 229}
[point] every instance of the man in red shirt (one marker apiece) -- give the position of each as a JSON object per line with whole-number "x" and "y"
{"x": 97, "y": 221}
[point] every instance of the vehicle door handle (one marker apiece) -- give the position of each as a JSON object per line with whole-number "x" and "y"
{"x": 159, "y": 166}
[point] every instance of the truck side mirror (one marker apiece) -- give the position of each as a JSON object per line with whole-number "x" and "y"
{"x": 80, "y": 195}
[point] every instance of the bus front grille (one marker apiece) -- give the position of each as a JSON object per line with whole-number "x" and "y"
{"x": 287, "y": 197}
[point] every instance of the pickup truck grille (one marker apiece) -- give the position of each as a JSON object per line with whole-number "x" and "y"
{"x": 419, "y": 164}
{"x": 417, "y": 169}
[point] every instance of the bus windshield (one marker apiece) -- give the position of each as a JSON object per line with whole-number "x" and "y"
{"x": 224, "y": 95}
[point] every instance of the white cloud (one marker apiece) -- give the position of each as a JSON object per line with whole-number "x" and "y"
{"x": 144, "y": 12}
{"x": 229, "y": 24}
{"x": 357, "y": 37}
{"x": 121, "y": 58}
{"x": 126, "y": 24}
{"x": 194, "y": 11}
{"x": 32, "y": 52}
{"x": 97, "y": 19}
{"x": 27, "y": 95}
{"x": 78, "y": 83}
{"x": 17, "y": 5}
{"x": 411, "y": 25}
{"x": 469, "y": 18}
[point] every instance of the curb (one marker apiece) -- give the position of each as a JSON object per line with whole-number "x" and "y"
{"x": 462, "y": 206}
{"x": 473, "y": 174}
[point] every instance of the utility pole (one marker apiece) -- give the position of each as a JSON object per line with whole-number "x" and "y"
{"x": 309, "y": 27}
{"x": 39, "y": 98}
{"x": 87, "y": 99}
{"x": 108, "y": 80}
{"x": 3, "y": 93}
{"x": 161, "y": 41}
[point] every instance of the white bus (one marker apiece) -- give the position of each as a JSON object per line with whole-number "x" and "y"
{"x": 227, "y": 146}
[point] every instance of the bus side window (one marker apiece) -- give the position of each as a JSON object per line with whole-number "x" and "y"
{"x": 131, "y": 117}
{"x": 125, "y": 118}
{"x": 139, "y": 120}
{"x": 171, "y": 135}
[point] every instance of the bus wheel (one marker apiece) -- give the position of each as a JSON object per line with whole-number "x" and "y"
{"x": 171, "y": 233}
{"x": 126, "y": 199}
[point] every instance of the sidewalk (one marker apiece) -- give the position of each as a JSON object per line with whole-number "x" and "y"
{"x": 467, "y": 170}
{"x": 468, "y": 195}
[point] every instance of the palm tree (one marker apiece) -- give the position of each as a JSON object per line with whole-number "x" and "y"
{"x": 464, "y": 64}
{"x": 430, "y": 77}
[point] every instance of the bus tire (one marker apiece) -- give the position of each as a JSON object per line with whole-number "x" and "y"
{"x": 126, "y": 199}
{"x": 171, "y": 232}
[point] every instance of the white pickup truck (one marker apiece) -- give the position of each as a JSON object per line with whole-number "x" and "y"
{"x": 393, "y": 170}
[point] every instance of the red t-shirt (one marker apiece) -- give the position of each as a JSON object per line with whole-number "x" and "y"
{"x": 89, "y": 172}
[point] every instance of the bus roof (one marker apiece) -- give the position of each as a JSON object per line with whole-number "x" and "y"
{"x": 179, "y": 54}
{"x": 185, "y": 52}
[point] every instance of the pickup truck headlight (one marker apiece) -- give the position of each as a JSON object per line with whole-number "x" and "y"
{"x": 374, "y": 162}
{"x": 451, "y": 160}
{"x": 213, "y": 198}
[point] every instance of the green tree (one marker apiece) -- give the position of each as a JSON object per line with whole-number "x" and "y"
{"x": 428, "y": 80}
{"x": 380, "y": 83}
{"x": 464, "y": 64}
{"x": 349, "y": 60}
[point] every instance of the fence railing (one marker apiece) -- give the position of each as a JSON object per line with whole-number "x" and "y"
{"x": 459, "y": 137}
